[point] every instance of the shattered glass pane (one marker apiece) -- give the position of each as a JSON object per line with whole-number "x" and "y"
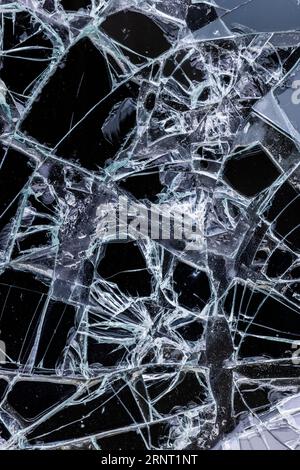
{"x": 150, "y": 224}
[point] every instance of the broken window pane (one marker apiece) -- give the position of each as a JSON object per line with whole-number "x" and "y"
{"x": 149, "y": 224}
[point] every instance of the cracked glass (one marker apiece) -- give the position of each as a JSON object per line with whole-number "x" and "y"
{"x": 149, "y": 224}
